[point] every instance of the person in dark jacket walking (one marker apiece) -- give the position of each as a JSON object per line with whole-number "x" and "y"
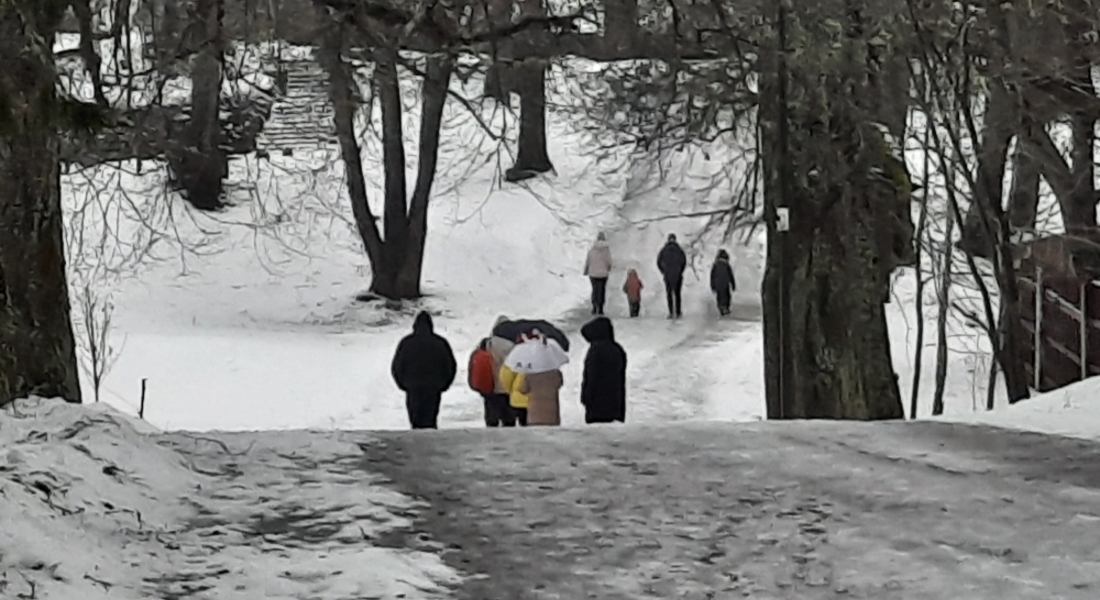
{"x": 722, "y": 282}
{"x": 423, "y": 367}
{"x": 603, "y": 387}
{"x": 672, "y": 261}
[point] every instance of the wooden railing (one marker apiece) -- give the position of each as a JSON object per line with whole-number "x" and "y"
{"x": 1061, "y": 321}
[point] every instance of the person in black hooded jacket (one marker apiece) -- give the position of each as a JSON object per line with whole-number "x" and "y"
{"x": 722, "y": 282}
{"x": 423, "y": 367}
{"x": 603, "y": 387}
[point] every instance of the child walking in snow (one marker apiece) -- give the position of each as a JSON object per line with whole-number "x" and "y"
{"x": 633, "y": 289}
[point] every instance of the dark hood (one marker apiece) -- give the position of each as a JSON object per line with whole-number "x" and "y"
{"x": 423, "y": 323}
{"x": 599, "y": 329}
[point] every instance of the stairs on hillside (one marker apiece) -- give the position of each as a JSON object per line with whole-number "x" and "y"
{"x": 301, "y": 118}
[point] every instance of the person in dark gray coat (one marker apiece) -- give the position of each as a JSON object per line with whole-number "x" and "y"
{"x": 722, "y": 282}
{"x": 671, "y": 262}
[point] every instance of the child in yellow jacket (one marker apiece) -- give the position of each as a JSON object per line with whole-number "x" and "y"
{"x": 513, "y": 382}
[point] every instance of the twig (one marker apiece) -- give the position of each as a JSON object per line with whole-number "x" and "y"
{"x": 141, "y": 408}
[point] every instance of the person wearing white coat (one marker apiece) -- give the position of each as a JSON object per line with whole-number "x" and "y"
{"x": 597, "y": 267}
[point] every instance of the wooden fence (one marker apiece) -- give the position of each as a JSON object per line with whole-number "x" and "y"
{"x": 1061, "y": 321}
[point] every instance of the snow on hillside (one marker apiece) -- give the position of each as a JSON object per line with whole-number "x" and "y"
{"x": 248, "y": 320}
{"x": 1072, "y": 411}
{"x": 94, "y": 504}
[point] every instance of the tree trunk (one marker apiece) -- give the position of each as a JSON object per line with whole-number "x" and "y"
{"x": 438, "y": 78}
{"x": 36, "y": 334}
{"x": 1080, "y": 219}
{"x": 943, "y": 300}
{"x": 1023, "y": 203}
{"x": 499, "y": 82}
{"x": 397, "y": 260}
{"x": 532, "y": 156}
{"x": 838, "y": 268}
{"x": 976, "y": 237}
{"x": 621, "y": 26}
{"x": 395, "y": 216}
{"x": 200, "y": 164}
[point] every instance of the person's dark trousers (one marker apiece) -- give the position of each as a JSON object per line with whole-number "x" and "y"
{"x": 672, "y": 294}
{"x": 635, "y": 308}
{"x": 498, "y": 413}
{"x": 594, "y": 417}
{"x": 423, "y": 409}
{"x": 521, "y": 416}
{"x": 492, "y": 411}
{"x": 724, "y": 298}
{"x": 599, "y": 294}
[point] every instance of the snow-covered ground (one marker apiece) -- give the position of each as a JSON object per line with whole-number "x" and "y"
{"x": 1072, "y": 411}
{"x": 94, "y": 506}
{"x": 247, "y": 320}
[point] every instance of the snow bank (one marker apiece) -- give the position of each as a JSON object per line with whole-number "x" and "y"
{"x": 94, "y": 504}
{"x": 1072, "y": 411}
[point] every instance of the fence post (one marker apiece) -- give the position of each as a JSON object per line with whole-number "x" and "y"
{"x": 1084, "y": 331}
{"x": 1038, "y": 366}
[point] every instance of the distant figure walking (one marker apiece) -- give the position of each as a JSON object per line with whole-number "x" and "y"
{"x": 603, "y": 389}
{"x": 482, "y": 377}
{"x": 597, "y": 267}
{"x": 672, "y": 261}
{"x": 423, "y": 367}
{"x": 633, "y": 288}
{"x": 722, "y": 282}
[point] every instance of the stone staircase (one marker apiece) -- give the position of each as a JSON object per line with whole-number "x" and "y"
{"x": 301, "y": 118}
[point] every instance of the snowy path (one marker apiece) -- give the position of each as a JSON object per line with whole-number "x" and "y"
{"x": 796, "y": 510}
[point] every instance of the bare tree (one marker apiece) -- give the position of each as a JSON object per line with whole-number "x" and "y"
{"x": 36, "y": 333}
{"x": 94, "y": 332}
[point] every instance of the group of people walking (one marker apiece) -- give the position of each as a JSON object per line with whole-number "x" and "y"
{"x": 524, "y": 390}
{"x": 512, "y": 397}
{"x": 424, "y": 367}
{"x": 671, "y": 262}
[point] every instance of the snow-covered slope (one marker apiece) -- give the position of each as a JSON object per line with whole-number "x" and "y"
{"x": 94, "y": 504}
{"x": 248, "y": 319}
{"x": 1073, "y": 411}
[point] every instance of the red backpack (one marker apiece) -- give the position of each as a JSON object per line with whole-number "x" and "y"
{"x": 480, "y": 375}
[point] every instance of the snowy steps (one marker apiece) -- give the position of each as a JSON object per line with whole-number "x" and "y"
{"x": 302, "y": 118}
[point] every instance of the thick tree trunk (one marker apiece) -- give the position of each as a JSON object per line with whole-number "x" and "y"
{"x": 836, "y": 263}
{"x": 499, "y": 82}
{"x": 438, "y": 78}
{"x": 532, "y": 156}
{"x": 387, "y": 281}
{"x": 397, "y": 260}
{"x": 37, "y": 346}
{"x": 621, "y": 26}
{"x": 199, "y": 164}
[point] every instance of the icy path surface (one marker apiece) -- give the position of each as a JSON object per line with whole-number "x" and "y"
{"x": 793, "y": 510}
